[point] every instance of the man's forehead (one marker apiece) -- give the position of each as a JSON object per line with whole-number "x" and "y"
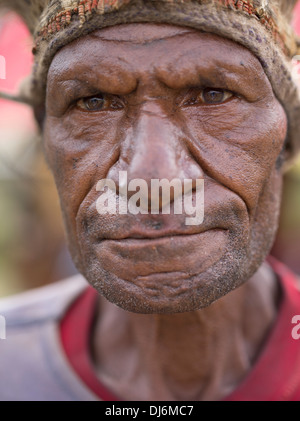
{"x": 167, "y": 47}
{"x": 147, "y": 41}
{"x": 141, "y": 32}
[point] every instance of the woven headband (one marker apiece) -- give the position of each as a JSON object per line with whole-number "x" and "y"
{"x": 62, "y": 12}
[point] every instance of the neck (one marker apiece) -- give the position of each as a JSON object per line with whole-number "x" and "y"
{"x": 201, "y": 355}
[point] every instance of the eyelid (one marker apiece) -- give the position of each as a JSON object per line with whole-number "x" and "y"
{"x": 81, "y": 100}
{"x": 196, "y": 92}
{"x": 228, "y": 94}
{"x": 106, "y": 97}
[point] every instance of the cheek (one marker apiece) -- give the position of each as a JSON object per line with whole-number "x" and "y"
{"x": 240, "y": 148}
{"x": 79, "y": 155}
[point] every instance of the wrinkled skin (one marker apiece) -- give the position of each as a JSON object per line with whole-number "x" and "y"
{"x": 155, "y": 263}
{"x": 158, "y": 118}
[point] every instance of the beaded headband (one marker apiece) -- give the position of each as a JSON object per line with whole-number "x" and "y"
{"x": 63, "y": 11}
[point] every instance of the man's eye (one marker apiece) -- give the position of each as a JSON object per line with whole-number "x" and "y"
{"x": 210, "y": 96}
{"x": 99, "y": 103}
{"x": 215, "y": 96}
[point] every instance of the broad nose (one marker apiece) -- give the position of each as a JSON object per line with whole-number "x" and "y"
{"x": 156, "y": 149}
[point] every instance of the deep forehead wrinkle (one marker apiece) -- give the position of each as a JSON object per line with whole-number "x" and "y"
{"x": 145, "y": 35}
{"x": 186, "y": 60}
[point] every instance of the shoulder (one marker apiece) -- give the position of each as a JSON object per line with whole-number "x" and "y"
{"x": 33, "y": 365}
{"x": 41, "y": 304}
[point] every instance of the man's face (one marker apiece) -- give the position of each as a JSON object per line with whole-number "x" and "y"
{"x": 161, "y": 101}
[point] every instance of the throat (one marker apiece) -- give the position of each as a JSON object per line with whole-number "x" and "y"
{"x": 201, "y": 355}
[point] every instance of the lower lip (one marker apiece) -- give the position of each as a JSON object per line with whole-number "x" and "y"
{"x": 132, "y": 257}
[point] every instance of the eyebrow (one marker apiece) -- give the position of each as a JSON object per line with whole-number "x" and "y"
{"x": 209, "y": 70}
{"x": 223, "y": 71}
{"x": 82, "y": 78}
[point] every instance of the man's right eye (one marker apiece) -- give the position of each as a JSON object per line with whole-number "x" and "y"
{"x": 99, "y": 102}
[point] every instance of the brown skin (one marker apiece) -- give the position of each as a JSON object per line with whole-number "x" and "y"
{"x": 159, "y": 118}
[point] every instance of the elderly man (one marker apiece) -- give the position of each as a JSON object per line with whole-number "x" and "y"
{"x": 193, "y": 90}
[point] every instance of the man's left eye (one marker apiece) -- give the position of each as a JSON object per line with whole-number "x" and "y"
{"x": 99, "y": 102}
{"x": 209, "y": 96}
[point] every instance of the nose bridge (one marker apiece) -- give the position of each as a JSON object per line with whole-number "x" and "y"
{"x": 155, "y": 148}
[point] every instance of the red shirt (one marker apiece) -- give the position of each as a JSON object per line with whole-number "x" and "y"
{"x": 274, "y": 377}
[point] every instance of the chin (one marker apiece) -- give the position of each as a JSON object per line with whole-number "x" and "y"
{"x": 161, "y": 294}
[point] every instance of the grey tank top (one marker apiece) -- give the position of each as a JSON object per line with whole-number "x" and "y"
{"x": 33, "y": 365}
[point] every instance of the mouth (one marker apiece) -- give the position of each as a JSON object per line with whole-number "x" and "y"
{"x": 160, "y": 229}
{"x": 156, "y": 238}
{"x": 131, "y": 257}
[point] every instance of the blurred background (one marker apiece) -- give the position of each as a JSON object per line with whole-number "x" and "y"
{"x": 32, "y": 245}
{"x": 33, "y": 251}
